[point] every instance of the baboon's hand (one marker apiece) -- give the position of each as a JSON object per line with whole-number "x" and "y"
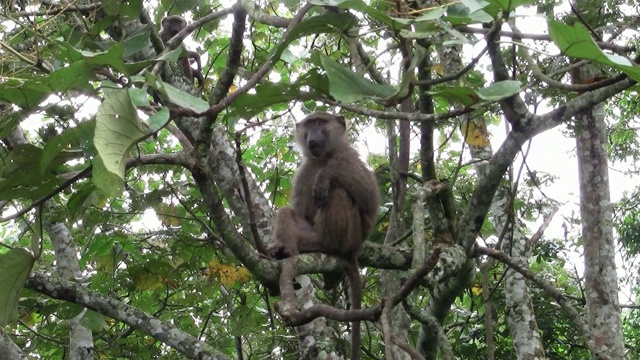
{"x": 280, "y": 251}
{"x": 321, "y": 190}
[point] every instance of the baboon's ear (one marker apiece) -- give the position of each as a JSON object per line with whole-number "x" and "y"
{"x": 341, "y": 121}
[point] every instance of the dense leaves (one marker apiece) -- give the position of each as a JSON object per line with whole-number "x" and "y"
{"x": 138, "y": 202}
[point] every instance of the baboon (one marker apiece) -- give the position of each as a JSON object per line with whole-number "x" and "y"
{"x": 334, "y": 203}
{"x": 171, "y": 25}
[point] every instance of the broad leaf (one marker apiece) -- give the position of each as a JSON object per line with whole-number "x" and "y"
{"x": 500, "y": 90}
{"x": 185, "y": 100}
{"x": 361, "y": 6}
{"x": 576, "y": 41}
{"x": 326, "y": 23}
{"x": 15, "y": 267}
{"x": 21, "y": 177}
{"x": 117, "y": 130}
{"x": 80, "y": 198}
{"x": 509, "y": 5}
{"x": 347, "y": 86}
{"x": 468, "y": 96}
{"x": 79, "y": 134}
{"x": 159, "y": 120}
{"x": 25, "y": 94}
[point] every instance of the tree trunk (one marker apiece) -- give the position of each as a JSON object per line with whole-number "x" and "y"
{"x": 601, "y": 281}
{"x": 80, "y": 338}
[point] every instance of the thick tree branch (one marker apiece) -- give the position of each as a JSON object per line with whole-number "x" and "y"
{"x": 262, "y": 17}
{"x": 228, "y": 74}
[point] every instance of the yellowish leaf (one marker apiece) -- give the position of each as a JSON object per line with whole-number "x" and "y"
{"x": 228, "y": 274}
{"x": 475, "y": 133}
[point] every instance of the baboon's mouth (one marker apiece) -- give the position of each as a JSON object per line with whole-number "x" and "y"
{"x": 315, "y": 151}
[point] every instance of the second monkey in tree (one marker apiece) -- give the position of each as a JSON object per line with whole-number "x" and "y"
{"x": 171, "y": 25}
{"x": 334, "y": 202}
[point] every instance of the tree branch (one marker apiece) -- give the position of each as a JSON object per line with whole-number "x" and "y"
{"x": 185, "y": 343}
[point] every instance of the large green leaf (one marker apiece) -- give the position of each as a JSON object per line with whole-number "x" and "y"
{"x": 360, "y": 6}
{"x": 9, "y": 122}
{"x": 21, "y": 177}
{"x": 15, "y": 267}
{"x": 159, "y": 119}
{"x": 24, "y": 93}
{"x": 500, "y": 90}
{"x": 267, "y": 95}
{"x": 184, "y": 99}
{"x": 464, "y": 95}
{"x": 347, "y": 86}
{"x": 467, "y": 12}
{"x": 575, "y": 41}
{"x": 468, "y": 96}
{"x": 80, "y": 198}
{"x": 79, "y": 135}
{"x": 174, "y": 95}
{"x": 30, "y": 93}
{"x": 326, "y": 23}
{"x": 117, "y": 130}
{"x": 127, "y": 10}
{"x": 509, "y": 5}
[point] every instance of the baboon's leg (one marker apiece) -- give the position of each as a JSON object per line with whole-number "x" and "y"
{"x": 290, "y": 231}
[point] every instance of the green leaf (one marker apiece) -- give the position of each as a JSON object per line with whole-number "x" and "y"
{"x": 184, "y": 99}
{"x": 159, "y": 120}
{"x": 249, "y": 105}
{"x": 68, "y": 310}
{"x": 468, "y": 96}
{"x": 500, "y": 90}
{"x": 101, "y": 245}
{"x": 117, "y": 130}
{"x": 347, "y": 86}
{"x": 326, "y": 23}
{"x": 75, "y": 75}
{"x": 509, "y": 5}
{"x": 126, "y": 10}
{"x": 79, "y": 198}
{"x": 15, "y": 267}
{"x": 575, "y": 41}
{"x": 360, "y": 6}
{"x": 245, "y": 320}
{"x": 430, "y": 15}
{"x": 136, "y": 42}
{"x": 31, "y": 188}
{"x": 25, "y": 94}
{"x": 9, "y": 122}
{"x": 113, "y": 58}
{"x": 467, "y": 12}
{"x": 464, "y": 95}
{"x": 58, "y": 143}
{"x": 139, "y": 97}
{"x": 172, "y": 56}
{"x": 94, "y": 322}
{"x": 21, "y": 177}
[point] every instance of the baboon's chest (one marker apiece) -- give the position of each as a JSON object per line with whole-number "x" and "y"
{"x": 303, "y": 190}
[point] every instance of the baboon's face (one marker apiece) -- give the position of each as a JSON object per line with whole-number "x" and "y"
{"x": 173, "y": 25}
{"x": 320, "y": 133}
{"x": 315, "y": 131}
